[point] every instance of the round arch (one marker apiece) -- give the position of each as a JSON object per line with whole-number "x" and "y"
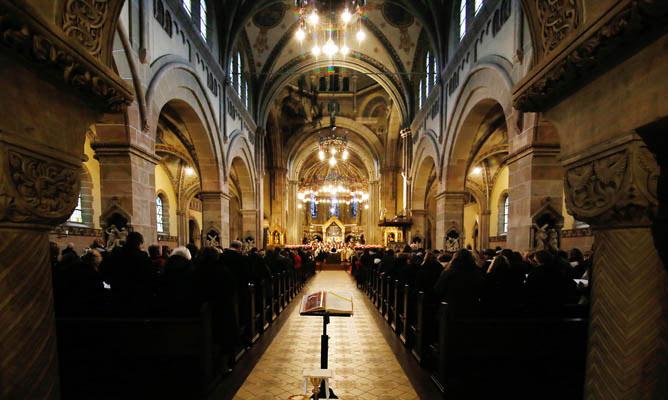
{"x": 485, "y": 89}
{"x": 299, "y": 66}
{"x": 177, "y": 85}
{"x": 421, "y": 182}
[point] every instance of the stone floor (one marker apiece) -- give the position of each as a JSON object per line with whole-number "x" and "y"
{"x": 363, "y": 364}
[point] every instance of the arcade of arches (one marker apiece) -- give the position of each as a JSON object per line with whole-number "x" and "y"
{"x": 477, "y": 124}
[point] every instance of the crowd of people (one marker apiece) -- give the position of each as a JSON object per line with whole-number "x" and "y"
{"x": 494, "y": 282}
{"x": 129, "y": 281}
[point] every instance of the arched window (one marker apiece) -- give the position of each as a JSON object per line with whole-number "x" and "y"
{"x": 77, "y": 214}
{"x": 314, "y": 207}
{"x": 462, "y": 19}
{"x": 427, "y": 63}
{"x": 187, "y": 5}
{"x": 161, "y": 214}
{"x": 202, "y": 18}
{"x": 478, "y": 5}
{"x": 504, "y": 206}
{"x": 238, "y": 73}
{"x": 420, "y": 99}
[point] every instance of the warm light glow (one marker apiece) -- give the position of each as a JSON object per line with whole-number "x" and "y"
{"x": 332, "y": 162}
{"x": 476, "y": 171}
{"x": 315, "y": 50}
{"x": 299, "y": 206}
{"x": 346, "y": 16}
{"x": 366, "y": 206}
{"x": 360, "y": 35}
{"x": 190, "y": 171}
{"x": 345, "y": 50}
{"x": 332, "y": 210}
{"x": 345, "y": 155}
{"x": 313, "y": 18}
{"x": 330, "y": 48}
{"x": 300, "y": 34}
{"x": 321, "y": 155}
{"x": 332, "y": 151}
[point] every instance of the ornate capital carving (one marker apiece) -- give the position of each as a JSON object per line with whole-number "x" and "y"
{"x": 615, "y": 187}
{"x": 34, "y": 39}
{"x": 629, "y": 26}
{"x": 36, "y": 189}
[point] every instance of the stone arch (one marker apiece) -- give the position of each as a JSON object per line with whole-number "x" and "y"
{"x": 242, "y": 187}
{"x": 421, "y": 181}
{"x": 177, "y": 85}
{"x": 398, "y": 94}
{"x": 486, "y": 89}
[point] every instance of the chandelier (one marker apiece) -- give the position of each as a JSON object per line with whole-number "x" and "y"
{"x": 329, "y": 35}
{"x": 333, "y": 146}
{"x": 333, "y": 189}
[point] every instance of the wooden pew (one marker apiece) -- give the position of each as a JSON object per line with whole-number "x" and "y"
{"x": 403, "y": 315}
{"x": 416, "y": 325}
{"x": 518, "y": 357}
{"x": 94, "y": 344}
{"x": 394, "y": 306}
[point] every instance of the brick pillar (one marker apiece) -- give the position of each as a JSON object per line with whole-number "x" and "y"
{"x": 127, "y": 178}
{"x": 614, "y": 188}
{"x": 535, "y": 176}
{"x": 453, "y": 216}
{"x": 216, "y": 215}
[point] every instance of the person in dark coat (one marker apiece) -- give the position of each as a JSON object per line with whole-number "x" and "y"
{"x": 215, "y": 284}
{"x": 427, "y": 274}
{"x": 547, "y": 287}
{"x": 502, "y": 288}
{"x": 239, "y": 266}
{"x": 129, "y": 272}
{"x": 460, "y": 285}
{"x": 177, "y": 288}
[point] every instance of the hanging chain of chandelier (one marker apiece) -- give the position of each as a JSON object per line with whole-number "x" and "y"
{"x": 332, "y": 33}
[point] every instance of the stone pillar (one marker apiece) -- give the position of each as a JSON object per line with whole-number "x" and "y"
{"x": 373, "y": 214}
{"x": 182, "y": 227}
{"x": 439, "y": 240}
{"x": 216, "y": 215}
{"x": 278, "y": 177}
{"x": 249, "y": 223}
{"x": 407, "y": 168}
{"x": 484, "y": 228}
{"x": 535, "y": 176}
{"x": 388, "y": 191}
{"x": 294, "y": 236}
{"x": 453, "y": 215}
{"x": 419, "y": 218}
{"x": 127, "y": 178}
{"x": 53, "y": 89}
{"x": 614, "y": 188}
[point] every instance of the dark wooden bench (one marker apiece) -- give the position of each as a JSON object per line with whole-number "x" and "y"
{"x": 89, "y": 345}
{"x": 510, "y": 357}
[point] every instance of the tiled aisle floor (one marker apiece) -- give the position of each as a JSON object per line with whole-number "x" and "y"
{"x": 363, "y": 364}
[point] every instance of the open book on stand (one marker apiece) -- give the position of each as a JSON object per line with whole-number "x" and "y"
{"x": 323, "y": 301}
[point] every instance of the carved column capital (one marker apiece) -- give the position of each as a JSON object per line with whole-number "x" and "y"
{"x": 614, "y": 185}
{"x": 35, "y": 187}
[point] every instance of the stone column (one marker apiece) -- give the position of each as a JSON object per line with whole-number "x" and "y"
{"x": 373, "y": 214}
{"x": 419, "y": 218}
{"x": 614, "y": 188}
{"x": 535, "y": 176}
{"x": 407, "y": 168}
{"x": 127, "y": 178}
{"x": 484, "y": 228}
{"x": 182, "y": 228}
{"x": 388, "y": 193}
{"x": 453, "y": 215}
{"x": 293, "y": 219}
{"x": 249, "y": 223}
{"x": 278, "y": 177}
{"x": 216, "y": 215}
{"x": 439, "y": 240}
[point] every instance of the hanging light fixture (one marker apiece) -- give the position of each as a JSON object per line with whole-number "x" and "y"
{"x": 328, "y": 31}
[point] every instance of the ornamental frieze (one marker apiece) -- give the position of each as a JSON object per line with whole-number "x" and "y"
{"x": 36, "y": 189}
{"x": 617, "y": 187}
{"x": 84, "y": 21}
{"x": 557, "y": 18}
{"x": 35, "y": 41}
